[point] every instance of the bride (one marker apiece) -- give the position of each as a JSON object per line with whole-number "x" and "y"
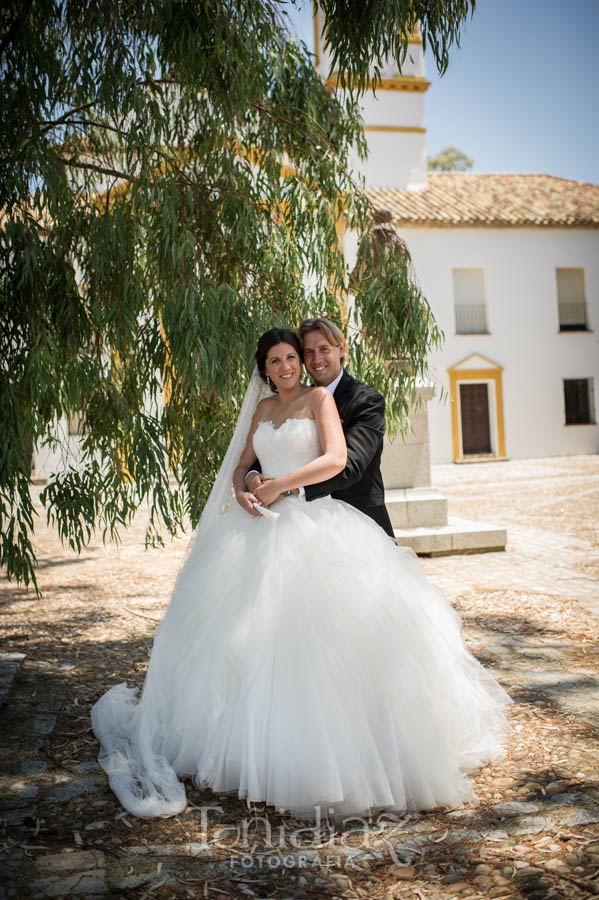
{"x": 304, "y": 660}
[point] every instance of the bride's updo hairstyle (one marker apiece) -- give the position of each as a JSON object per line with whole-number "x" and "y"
{"x": 270, "y": 339}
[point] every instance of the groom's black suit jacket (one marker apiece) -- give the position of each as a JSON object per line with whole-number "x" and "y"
{"x": 362, "y": 413}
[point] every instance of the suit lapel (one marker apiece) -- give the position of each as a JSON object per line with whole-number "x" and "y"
{"x": 343, "y": 393}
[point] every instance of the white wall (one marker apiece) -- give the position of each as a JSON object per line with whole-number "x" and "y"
{"x": 393, "y": 108}
{"x": 395, "y": 160}
{"x": 521, "y": 295}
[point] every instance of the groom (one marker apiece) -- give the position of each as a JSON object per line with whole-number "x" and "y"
{"x": 362, "y": 413}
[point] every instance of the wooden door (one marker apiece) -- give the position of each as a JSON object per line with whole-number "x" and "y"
{"x": 474, "y": 405}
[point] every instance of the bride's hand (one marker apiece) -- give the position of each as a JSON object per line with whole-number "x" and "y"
{"x": 268, "y": 492}
{"x": 246, "y": 500}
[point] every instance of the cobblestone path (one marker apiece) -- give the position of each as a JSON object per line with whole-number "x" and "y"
{"x": 531, "y": 614}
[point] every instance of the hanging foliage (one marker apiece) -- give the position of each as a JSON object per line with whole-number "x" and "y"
{"x": 171, "y": 176}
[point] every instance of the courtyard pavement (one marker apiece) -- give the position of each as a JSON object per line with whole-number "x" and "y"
{"x": 530, "y": 613}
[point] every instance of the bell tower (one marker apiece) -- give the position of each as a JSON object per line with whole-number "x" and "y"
{"x": 393, "y": 119}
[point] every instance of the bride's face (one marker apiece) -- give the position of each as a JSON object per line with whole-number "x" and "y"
{"x": 283, "y": 366}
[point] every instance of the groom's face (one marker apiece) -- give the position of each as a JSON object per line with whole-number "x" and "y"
{"x": 322, "y": 359}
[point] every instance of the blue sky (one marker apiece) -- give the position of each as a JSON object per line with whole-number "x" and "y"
{"x": 520, "y": 93}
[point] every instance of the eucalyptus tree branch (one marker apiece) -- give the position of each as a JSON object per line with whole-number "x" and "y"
{"x": 277, "y": 116}
{"x": 263, "y": 107}
{"x": 101, "y": 170}
{"x": 63, "y": 120}
{"x": 243, "y": 267}
{"x": 90, "y": 123}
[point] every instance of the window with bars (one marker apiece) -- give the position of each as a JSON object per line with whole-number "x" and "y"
{"x": 469, "y": 300}
{"x": 571, "y": 300}
{"x": 578, "y": 398}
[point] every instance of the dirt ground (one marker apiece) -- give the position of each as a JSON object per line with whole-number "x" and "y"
{"x": 534, "y": 831}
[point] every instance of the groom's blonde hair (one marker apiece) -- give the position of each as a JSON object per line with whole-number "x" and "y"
{"x": 332, "y": 333}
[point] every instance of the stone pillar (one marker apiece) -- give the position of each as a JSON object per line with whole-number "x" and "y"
{"x": 407, "y": 462}
{"x": 406, "y": 468}
{"x": 418, "y": 511}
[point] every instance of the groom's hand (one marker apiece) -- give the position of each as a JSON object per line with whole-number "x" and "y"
{"x": 268, "y": 492}
{"x": 255, "y": 479}
{"x": 244, "y": 493}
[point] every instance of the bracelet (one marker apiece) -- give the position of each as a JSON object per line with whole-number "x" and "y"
{"x": 239, "y": 485}
{"x": 287, "y": 493}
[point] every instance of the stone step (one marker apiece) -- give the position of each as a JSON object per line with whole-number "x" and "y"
{"x": 416, "y": 507}
{"x": 10, "y": 665}
{"x": 458, "y": 536}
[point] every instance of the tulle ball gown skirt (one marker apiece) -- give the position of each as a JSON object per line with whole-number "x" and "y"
{"x": 308, "y": 663}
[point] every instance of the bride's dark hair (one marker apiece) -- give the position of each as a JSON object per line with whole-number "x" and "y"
{"x": 270, "y": 339}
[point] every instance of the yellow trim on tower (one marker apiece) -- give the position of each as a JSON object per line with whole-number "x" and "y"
{"x": 416, "y": 83}
{"x": 415, "y": 37}
{"x": 400, "y": 129}
{"x": 491, "y": 374}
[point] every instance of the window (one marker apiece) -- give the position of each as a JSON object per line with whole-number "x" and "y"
{"x": 571, "y": 301}
{"x": 578, "y": 397}
{"x": 469, "y": 299}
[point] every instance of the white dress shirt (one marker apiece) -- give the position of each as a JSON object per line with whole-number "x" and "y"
{"x": 331, "y": 387}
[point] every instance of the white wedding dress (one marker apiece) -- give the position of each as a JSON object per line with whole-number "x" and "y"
{"x": 305, "y": 662}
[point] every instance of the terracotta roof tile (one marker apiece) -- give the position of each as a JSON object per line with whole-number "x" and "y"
{"x": 458, "y": 199}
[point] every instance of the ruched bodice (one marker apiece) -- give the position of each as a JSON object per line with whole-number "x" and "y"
{"x": 287, "y": 448}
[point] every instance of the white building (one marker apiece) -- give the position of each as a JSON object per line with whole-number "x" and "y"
{"x": 510, "y": 267}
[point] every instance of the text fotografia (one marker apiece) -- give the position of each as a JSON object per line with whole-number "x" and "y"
{"x": 254, "y": 861}
{"x": 257, "y": 844}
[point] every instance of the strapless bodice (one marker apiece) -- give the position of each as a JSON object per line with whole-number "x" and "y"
{"x": 287, "y": 448}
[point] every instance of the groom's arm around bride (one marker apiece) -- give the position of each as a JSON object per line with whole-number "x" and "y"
{"x": 362, "y": 412}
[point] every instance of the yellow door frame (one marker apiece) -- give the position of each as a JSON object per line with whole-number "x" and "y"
{"x": 492, "y": 374}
